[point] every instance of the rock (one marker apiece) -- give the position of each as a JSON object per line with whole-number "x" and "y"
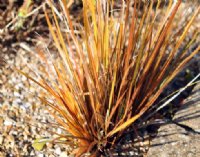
{"x": 189, "y": 113}
{"x": 175, "y": 141}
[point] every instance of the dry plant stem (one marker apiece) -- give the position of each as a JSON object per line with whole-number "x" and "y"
{"x": 109, "y": 80}
{"x": 173, "y": 97}
{"x": 33, "y": 12}
{"x": 17, "y": 18}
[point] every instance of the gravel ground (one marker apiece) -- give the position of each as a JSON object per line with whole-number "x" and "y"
{"x": 20, "y": 114}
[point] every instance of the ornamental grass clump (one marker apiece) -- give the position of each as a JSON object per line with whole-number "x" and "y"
{"x": 111, "y": 69}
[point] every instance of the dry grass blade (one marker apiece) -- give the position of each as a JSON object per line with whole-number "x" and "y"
{"x": 117, "y": 70}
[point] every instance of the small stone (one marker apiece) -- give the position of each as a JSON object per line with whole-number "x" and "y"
{"x": 59, "y": 131}
{"x": 58, "y": 151}
{"x": 8, "y": 122}
{"x": 12, "y": 114}
{"x": 5, "y": 107}
{"x": 40, "y": 155}
{"x": 24, "y": 78}
{"x": 131, "y": 153}
{"x": 64, "y": 154}
{"x": 32, "y": 153}
{"x": 49, "y": 145}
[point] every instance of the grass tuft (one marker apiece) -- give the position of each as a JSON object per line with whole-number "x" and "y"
{"x": 114, "y": 70}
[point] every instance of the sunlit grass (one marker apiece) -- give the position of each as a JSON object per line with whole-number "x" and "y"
{"x": 116, "y": 71}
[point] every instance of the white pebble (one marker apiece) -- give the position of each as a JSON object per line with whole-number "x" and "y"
{"x": 16, "y": 94}
{"x": 64, "y": 154}
{"x": 40, "y": 155}
{"x": 8, "y": 122}
{"x": 58, "y": 151}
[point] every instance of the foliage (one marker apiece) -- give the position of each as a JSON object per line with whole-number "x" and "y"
{"x": 113, "y": 71}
